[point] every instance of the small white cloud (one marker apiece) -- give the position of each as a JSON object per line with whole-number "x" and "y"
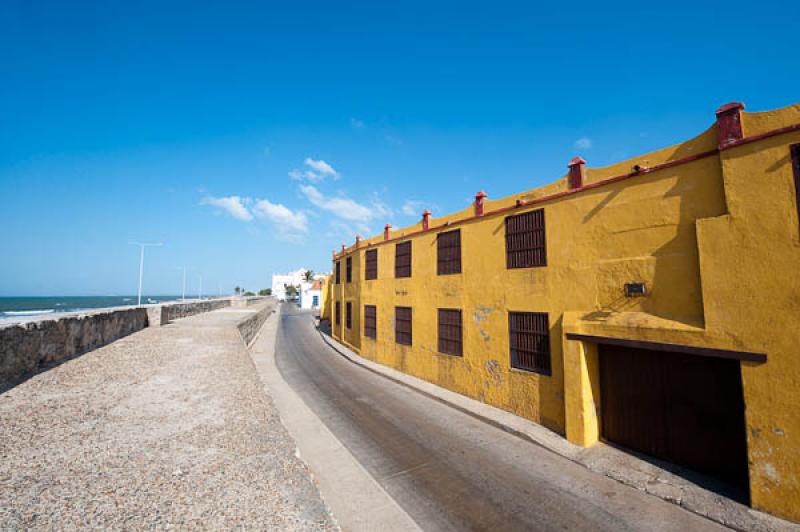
{"x": 345, "y": 208}
{"x": 583, "y": 143}
{"x": 412, "y": 208}
{"x": 306, "y": 175}
{"x": 357, "y": 124}
{"x": 233, "y": 205}
{"x": 321, "y": 167}
{"x": 288, "y": 224}
{"x": 319, "y": 170}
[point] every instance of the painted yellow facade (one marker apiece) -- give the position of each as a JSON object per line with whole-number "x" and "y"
{"x": 709, "y": 225}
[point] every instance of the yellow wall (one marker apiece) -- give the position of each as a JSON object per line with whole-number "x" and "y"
{"x": 715, "y": 240}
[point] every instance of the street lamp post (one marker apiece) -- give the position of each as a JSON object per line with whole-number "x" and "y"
{"x": 142, "y": 245}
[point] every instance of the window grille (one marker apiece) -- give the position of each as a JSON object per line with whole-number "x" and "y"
{"x": 349, "y": 270}
{"x": 371, "y": 264}
{"x": 338, "y": 313}
{"x": 529, "y": 338}
{"x": 402, "y": 259}
{"x": 448, "y": 247}
{"x": 338, "y": 272}
{"x": 450, "y": 340}
{"x": 349, "y": 315}
{"x": 370, "y": 321}
{"x": 402, "y": 325}
{"x": 795, "y": 149}
{"x": 525, "y": 240}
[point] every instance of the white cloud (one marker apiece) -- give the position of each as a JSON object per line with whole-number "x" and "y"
{"x": 357, "y": 124}
{"x": 321, "y": 167}
{"x": 583, "y": 143}
{"x": 233, "y": 205}
{"x": 412, "y": 207}
{"x": 307, "y": 175}
{"x": 288, "y": 224}
{"x": 319, "y": 170}
{"x": 345, "y": 208}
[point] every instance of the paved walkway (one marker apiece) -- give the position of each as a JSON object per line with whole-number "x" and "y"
{"x": 168, "y": 427}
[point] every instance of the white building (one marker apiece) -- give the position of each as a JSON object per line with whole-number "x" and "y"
{"x": 311, "y": 294}
{"x": 279, "y": 282}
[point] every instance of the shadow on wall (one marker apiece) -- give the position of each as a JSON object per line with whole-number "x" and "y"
{"x": 671, "y": 270}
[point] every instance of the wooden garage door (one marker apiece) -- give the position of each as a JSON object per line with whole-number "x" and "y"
{"x": 685, "y": 409}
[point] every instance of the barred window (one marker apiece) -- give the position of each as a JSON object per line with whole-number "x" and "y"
{"x": 448, "y": 247}
{"x": 796, "y": 166}
{"x": 402, "y": 259}
{"x": 349, "y": 270}
{"x": 402, "y": 325}
{"x": 529, "y": 337}
{"x": 337, "y": 314}
{"x": 338, "y": 272}
{"x": 371, "y": 264}
{"x": 450, "y": 332}
{"x": 349, "y": 315}
{"x": 370, "y": 321}
{"x": 525, "y": 240}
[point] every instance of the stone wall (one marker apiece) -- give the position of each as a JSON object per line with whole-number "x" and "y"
{"x": 250, "y": 326}
{"x": 174, "y": 311}
{"x": 27, "y": 346}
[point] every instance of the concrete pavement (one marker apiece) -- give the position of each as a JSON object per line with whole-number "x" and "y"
{"x": 448, "y": 470}
{"x": 166, "y": 428}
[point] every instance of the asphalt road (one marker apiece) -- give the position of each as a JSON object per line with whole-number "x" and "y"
{"x": 448, "y": 470}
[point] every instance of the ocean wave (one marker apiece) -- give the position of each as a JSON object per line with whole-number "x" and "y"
{"x": 27, "y": 312}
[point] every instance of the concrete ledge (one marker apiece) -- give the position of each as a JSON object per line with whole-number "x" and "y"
{"x": 600, "y": 458}
{"x": 250, "y": 326}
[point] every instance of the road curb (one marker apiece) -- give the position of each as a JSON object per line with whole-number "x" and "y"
{"x": 346, "y": 487}
{"x": 602, "y": 459}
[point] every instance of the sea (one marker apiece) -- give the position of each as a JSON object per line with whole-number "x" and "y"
{"x": 25, "y": 307}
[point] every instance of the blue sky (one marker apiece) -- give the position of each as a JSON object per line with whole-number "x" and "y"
{"x": 254, "y": 137}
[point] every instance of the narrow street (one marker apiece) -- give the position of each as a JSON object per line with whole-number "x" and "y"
{"x": 448, "y": 470}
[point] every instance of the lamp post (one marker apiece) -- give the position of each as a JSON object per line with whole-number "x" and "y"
{"x": 183, "y": 288}
{"x": 142, "y": 245}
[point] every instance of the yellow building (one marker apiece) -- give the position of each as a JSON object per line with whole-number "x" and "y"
{"x": 654, "y": 303}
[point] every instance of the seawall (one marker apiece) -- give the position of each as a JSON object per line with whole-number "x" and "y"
{"x": 27, "y": 346}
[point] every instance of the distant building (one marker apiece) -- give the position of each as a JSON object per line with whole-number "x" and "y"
{"x": 298, "y": 280}
{"x": 311, "y": 294}
{"x": 281, "y": 281}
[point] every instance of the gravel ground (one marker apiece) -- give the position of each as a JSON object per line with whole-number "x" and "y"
{"x": 166, "y": 428}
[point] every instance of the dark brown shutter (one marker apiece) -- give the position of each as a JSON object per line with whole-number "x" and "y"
{"x": 448, "y": 257}
{"x": 338, "y": 312}
{"x": 525, "y": 240}
{"x": 795, "y": 149}
{"x": 349, "y": 271}
{"x": 402, "y": 259}
{"x": 370, "y": 321}
{"x": 349, "y": 315}
{"x": 338, "y": 272}
{"x": 529, "y": 336}
{"x": 450, "y": 341}
{"x": 402, "y": 325}
{"x": 371, "y": 264}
